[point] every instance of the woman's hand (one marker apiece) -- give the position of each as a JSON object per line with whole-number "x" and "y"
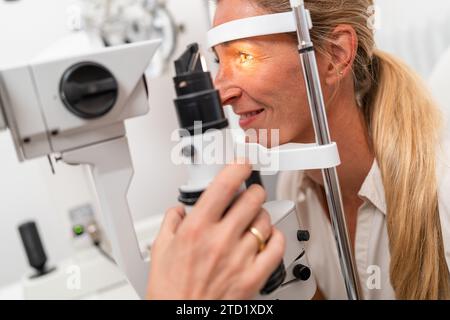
{"x": 209, "y": 255}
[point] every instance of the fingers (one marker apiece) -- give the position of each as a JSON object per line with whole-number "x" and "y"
{"x": 246, "y": 208}
{"x": 171, "y": 222}
{"x": 250, "y": 243}
{"x": 268, "y": 260}
{"x": 218, "y": 196}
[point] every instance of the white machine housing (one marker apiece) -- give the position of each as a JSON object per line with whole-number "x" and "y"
{"x": 41, "y": 125}
{"x": 37, "y": 118}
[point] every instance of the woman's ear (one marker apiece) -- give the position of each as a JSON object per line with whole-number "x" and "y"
{"x": 342, "y": 51}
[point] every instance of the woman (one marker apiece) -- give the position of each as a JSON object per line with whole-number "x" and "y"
{"x": 393, "y": 176}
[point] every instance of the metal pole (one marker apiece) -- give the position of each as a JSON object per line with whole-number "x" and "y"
{"x": 319, "y": 117}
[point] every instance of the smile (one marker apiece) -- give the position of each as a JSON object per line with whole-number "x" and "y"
{"x": 248, "y": 117}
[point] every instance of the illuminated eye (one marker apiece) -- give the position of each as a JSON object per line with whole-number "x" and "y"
{"x": 245, "y": 57}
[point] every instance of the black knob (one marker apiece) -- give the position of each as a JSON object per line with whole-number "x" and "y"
{"x": 88, "y": 90}
{"x": 188, "y": 152}
{"x": 301, "y": 272}
{"x": 255, "y": 178}
{"x": 303, "y": 235}
{"x": 33, "y": 246}
{"x": 275, "y": 281}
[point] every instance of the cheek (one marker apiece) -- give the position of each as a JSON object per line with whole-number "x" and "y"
{"x": 279, "y": 87}
{"x": 286, "y": 83}
{"x": 288, "y": 107}
{"x": 273, "y": 84}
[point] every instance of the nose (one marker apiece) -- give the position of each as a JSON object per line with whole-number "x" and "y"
{"x": 228, "y": 89}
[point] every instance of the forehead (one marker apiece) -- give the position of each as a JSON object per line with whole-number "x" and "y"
{"x": 229, "y": 10}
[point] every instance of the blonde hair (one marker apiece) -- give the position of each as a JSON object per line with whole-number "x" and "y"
{"x": 403, "y": 124}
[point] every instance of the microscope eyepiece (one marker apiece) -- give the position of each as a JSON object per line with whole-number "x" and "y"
{"x": 190, "y": 61}
{"x": 197, "y": 100}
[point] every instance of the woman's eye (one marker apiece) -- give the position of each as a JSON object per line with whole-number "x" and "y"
{"x": 245, "y": 57}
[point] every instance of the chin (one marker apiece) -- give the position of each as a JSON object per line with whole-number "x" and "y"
{"x": 263, "y": 137}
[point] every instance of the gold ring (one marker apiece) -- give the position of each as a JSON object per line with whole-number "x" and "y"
{"x": 259, "y": 236}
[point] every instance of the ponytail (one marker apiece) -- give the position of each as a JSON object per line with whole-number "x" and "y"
{"x": 404, "y": 124}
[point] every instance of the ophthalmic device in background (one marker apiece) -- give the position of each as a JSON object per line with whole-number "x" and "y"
{"x": 75, "y": 107}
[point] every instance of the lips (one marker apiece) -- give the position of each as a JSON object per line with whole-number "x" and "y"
{"x": 250, "y": 114}
{"x": 248, "y": 117}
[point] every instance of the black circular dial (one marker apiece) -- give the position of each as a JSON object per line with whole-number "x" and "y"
{"x": 88, "y": 90}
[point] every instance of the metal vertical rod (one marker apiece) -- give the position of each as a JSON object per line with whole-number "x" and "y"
{"x": 331, "y": 181}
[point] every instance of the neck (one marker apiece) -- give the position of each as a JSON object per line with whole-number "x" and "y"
{"x": 348, "y": 130}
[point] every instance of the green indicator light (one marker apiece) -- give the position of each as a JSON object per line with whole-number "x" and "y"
{"x": 78, "y": 230}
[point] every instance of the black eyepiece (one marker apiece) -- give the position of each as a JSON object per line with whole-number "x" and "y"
{"x": 198, "y": 103}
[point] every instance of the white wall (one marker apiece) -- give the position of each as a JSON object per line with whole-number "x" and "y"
{"x": 27, "y": 27}
{"x": 28, "y": 190}
{"x": 415, "y": 30}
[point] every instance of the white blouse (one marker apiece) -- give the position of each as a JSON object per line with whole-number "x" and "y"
{"x": 371, "y": 239}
